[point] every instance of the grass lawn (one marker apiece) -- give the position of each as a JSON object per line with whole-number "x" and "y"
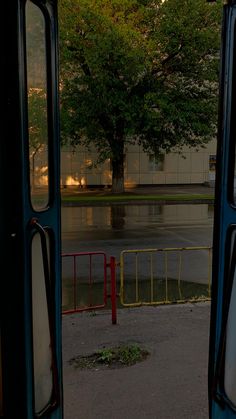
{"x": 80, "y": 198}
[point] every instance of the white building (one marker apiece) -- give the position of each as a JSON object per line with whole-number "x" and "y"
{"x": 190, "y": 167}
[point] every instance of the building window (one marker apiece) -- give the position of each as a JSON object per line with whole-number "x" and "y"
{"x": 212, "y": 168}
{"x": 212, "y": 163}
{"x": 156, "y": 164}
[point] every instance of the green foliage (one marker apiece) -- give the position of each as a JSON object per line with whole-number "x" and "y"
{"x": 126, "y": 197}
{"x": 105, "y": 356}
{"x": 129, "y": 355}
{"x": 126, "y": 355}
{"x": 139, "y": 71}
{"x": 37, "y": 118}
{"x": 120, "y": 356}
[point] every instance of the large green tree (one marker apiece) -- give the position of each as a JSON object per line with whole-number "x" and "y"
{"x": 38, "y": 130}
{"x": 142, "y": 71}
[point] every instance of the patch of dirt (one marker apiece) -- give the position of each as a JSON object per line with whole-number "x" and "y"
{"x": 117, "y": 357}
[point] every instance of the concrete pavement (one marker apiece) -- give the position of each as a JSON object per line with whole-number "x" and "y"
{"x": 170, "y": 384}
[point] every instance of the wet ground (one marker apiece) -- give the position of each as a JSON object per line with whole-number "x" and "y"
{"x": 115, "y": 229}
{"x": 170, "y": 384}
{"x": 128, "y": 226}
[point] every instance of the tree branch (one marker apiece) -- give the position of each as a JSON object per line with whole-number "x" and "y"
{"x": 173, "y": 55}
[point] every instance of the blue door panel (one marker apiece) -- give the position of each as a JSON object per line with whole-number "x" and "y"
{"x": 222, "y": 403}
{"x": 30, "y": 239}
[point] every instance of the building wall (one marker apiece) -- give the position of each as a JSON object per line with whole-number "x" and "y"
{"x": 187, "y": 168}
{"x": 77, "y": 167}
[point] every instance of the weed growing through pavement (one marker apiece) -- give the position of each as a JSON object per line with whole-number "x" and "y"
{"x": 117, "y": 357}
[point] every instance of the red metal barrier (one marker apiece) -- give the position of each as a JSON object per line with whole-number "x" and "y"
{"x": 113, "y": 289}
{"x": 75, "y": 259}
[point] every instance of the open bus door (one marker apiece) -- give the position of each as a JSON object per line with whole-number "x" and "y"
{"x": 222, "y": 353}
{"x": 30, "y": 253}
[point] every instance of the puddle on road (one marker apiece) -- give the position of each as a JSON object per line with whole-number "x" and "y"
{"x": 92, "y": 296}
{"x": 81, "y": 224}
{"x": 83, "y": 220}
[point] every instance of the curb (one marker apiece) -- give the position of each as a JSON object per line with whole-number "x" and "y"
{"x": 134, "y": 202}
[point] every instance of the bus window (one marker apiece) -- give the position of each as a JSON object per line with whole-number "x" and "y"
{"x": 37, "y": 105}
{"x": 30, "y": 328}
{"x": 43, "y": 378}
{"x": 230, "y": 349}
{"x": 1, "y": 398}
{"x": 222, "y": 353}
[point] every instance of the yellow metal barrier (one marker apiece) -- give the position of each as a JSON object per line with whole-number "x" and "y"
{"x": 138, "y": 273}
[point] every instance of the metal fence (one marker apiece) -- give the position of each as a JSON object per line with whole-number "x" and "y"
{"x": 147, "y": 277}
{"x": 82, "y": 272}
{"x": 164, "y": 276}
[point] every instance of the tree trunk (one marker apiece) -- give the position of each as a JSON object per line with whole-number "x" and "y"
{"x": 118, "y": 217}
{"x": 117, "y": 162}
{"x": 33, "y": 173}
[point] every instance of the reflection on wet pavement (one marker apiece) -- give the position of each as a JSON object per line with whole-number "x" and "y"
{"x": 84, "y": 220}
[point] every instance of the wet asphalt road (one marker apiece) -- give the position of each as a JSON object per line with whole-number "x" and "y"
{"x": 172, "y": 382}
{"x": 97, "y": 228}
{"x": 109, "y": 230}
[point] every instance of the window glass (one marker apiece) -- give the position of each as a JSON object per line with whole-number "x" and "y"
{"x": 230, "y": 110}
{"x": 43, "y": 374}
{"x": 156, "y": 164}
{"x": 212, "y": 168}
{"x": 230, "y": 341}
{"x": 1, "y": 398}
{"x": 230, "y": 352}
{"x": 234, "y": 184}
{"x": 37, "y": 105}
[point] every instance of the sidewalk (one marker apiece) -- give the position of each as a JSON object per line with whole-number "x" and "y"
{"x": 143, "y": 190}
{"x": 175, "y": 194}
{"x": 170, "y": 384}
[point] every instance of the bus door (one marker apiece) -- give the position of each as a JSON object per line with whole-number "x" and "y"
{"x": 30, "y": 254}
{"x": 222, "y": 352}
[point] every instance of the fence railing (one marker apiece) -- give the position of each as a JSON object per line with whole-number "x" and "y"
{"x": 147, "y": 277}
{"x": 163, "y": 276}
{"x": 85, "y": 270}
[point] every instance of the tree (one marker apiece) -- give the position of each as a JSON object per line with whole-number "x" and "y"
{"x": 38, "y": 126}
{"x": 37, "y": 84}
{"x": 142, "y": 71}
